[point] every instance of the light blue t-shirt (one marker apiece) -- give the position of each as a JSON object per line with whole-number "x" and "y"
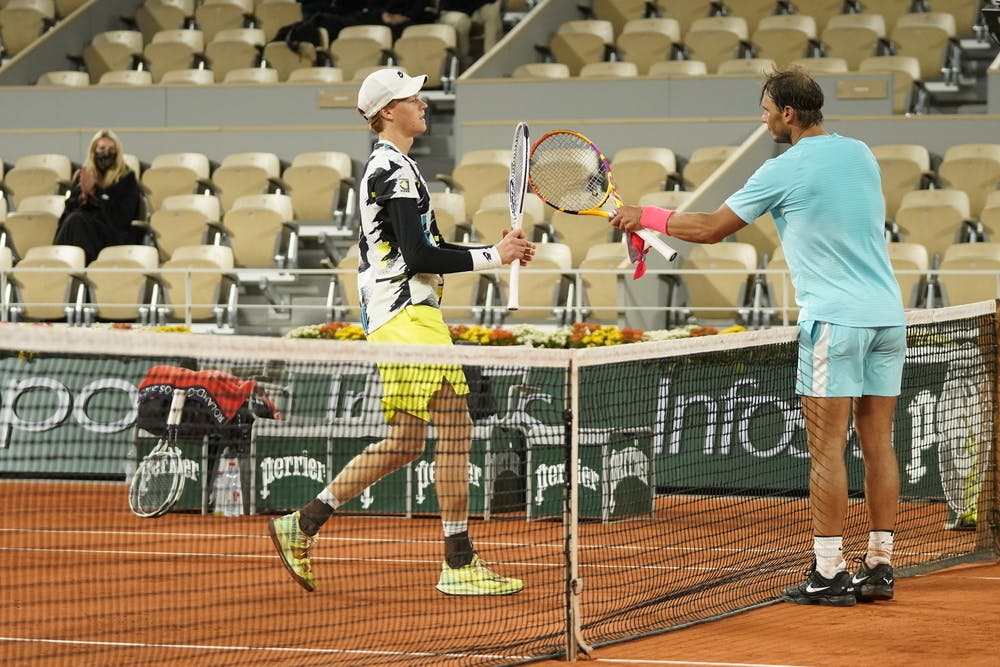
{"x": 825, "y": 195}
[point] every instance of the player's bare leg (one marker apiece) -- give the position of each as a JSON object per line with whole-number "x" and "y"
{"x": 873, "y": 421}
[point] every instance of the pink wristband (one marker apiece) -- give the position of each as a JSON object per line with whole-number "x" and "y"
{"x": 655, "y": 218}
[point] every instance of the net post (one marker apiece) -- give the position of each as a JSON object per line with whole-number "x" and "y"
{"x": 571, "y": 522}
{"x": 992, "y": 482}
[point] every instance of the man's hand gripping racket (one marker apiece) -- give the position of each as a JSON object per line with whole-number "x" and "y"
{"x": 570, "y": 173}
{"x": 517, "y": 187}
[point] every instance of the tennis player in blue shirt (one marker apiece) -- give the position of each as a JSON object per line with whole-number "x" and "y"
{"x": 825, "y": 195}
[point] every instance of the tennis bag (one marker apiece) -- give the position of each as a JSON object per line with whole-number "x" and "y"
{"x": 218, "y": 405}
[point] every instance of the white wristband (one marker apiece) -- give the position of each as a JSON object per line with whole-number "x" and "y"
{"x": 485, "y": 258}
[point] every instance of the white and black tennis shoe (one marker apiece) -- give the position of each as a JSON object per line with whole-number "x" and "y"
{"x": 871, "y": 584}
{"x": 817, "y": 589}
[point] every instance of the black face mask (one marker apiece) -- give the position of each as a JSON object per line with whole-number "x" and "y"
{"x": 106, "y": 160}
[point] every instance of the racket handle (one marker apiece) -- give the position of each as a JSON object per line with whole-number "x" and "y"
{"x": 513, "y": 285}
{"x": 657, "y": 244}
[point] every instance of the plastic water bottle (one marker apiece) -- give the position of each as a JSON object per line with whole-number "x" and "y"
{"x": 219, "y": 494}
{"x": 233, "y": 490}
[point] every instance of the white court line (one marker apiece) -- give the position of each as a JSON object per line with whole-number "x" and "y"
{"x": 267, "y": 649}
{"x": 623, "y": 661}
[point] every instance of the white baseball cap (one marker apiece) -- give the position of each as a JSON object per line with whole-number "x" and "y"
{"x": 385, "y": 85}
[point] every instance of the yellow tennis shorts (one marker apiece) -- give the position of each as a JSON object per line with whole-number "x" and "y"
{"x": 410, "y": 387}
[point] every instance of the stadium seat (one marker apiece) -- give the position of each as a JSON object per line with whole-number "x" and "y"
{"x": 64, "y": 79}
{"x": 719, "y": 296}
{"x": 620, "y": 12}
{"x": 118, "y": 283}
{"x": 360, "y": 46}
{"x": 314, "y": 181}
{"x": 154, "y": 16}
{"x": 904, "y": 168}
{"x": 785, "y": 38}
{"x": 234, "y": 48}
{"x": 33, "y": 223}
{"x": 751, "y": 66}
{"x": 820, "y": 10}
{"x": 703, "y": 162}
{"x": 753, "y": 11}
{"x": 616, "y": 69}
{"x": 206, "y": 293}
{"x": 853, "y": 37}
{"x": 194, "y": 77}
{"x": 283, "y": 57}
{"x": 175, "y": 174}
{"x": 317, "y": 74}
{"x": 579, "y": 232}
{"x": 174, "y": 50}
{"x": 214, "y": 16}
{"x": 716, "y": 38}
{"x": 451, "y": 216}
{"x": 254, "y": 75}
{"x": 541, "y": 71}
{"x": 600, "y": 300}
{"x": 477, "y": 174}
{"x": 46, "y": 284}
{"x": 685, "y": 12}
{"x": 430, "y": 48}
{"x": 111, "y": 51}
{"x": 970, "y": 257}
{"x": 579, "y": 42}
{"x": 672, "y": 199}
{"x": 642, "y": 169}
{"x": 493, "y": 216}
{"x": 933, "y": 218}
{"x": 274, "y": 14}
{"x": 259, "y": 229}
{"x": 908, "y": 94}
{"x": 343, "y": 300}
{"x": 822, "y": 65}
{"x": 678, "y": 68}
{"x": 890, "y": 10}
{"x": 535, "y": 210}
{"x": 6, "y": 262}
{"x": 126, "y": 77}
{"x": 927, "y": 37}
{"x": 762, "y": 234}
{"x": 544, "y": 284}
{"x": 780, "y": 290}
{"x": 245, "y": 173}
{"x": 910, "y": 257}
{"x": 645, "y": 41}
{"x": 989, "y": 217}
{"x": 66, "y": 7}
{"x": 23, "y": 21}
{"x": 38, "y": 174}
{"x": 185, "y": 219}
{"x": 972, "y": 168}
{"x": 966, "y": 13}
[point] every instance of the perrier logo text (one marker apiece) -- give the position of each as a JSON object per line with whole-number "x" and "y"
{"x": 278, "y": 468}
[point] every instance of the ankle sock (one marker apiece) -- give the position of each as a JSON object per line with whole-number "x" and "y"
{"x": 829, "y": 552}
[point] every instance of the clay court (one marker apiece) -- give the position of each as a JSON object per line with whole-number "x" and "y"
{"x": 99, "y": 586}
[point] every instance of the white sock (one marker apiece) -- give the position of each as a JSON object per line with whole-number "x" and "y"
{"x": 829, "y": 555}
{"x": 879, "y": 548}
{"x": 326, "y": 497}
{"x": 454, "y": 527}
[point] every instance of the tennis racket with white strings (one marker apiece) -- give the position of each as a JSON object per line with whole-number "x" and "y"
{"x": 517, "y": 188}
{"x": 159, "y": 479}
{"x": 570, "y": 173}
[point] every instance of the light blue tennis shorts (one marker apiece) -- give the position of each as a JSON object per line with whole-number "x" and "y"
{"x": 410, "y": 387}
{"x": 837, "y": 360}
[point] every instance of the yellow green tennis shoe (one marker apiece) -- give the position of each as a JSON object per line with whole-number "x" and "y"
{"x": 293, "y": 547}
{"x": 475, "y": 579}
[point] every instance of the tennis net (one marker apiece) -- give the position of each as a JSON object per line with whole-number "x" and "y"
{"x": 634, "y": 489}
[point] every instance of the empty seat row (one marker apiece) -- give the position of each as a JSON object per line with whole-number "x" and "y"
{"x": 925, "y": 36}
{"x": 125, "y": 283}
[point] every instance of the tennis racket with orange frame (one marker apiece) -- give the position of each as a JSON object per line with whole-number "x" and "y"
{"x": 571, "y": 174}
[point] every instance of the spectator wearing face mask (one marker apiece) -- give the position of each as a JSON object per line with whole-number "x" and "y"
{"x": 103, "y": 202}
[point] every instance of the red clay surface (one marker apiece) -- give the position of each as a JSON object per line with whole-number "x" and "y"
{"x": 94, "y": 585}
